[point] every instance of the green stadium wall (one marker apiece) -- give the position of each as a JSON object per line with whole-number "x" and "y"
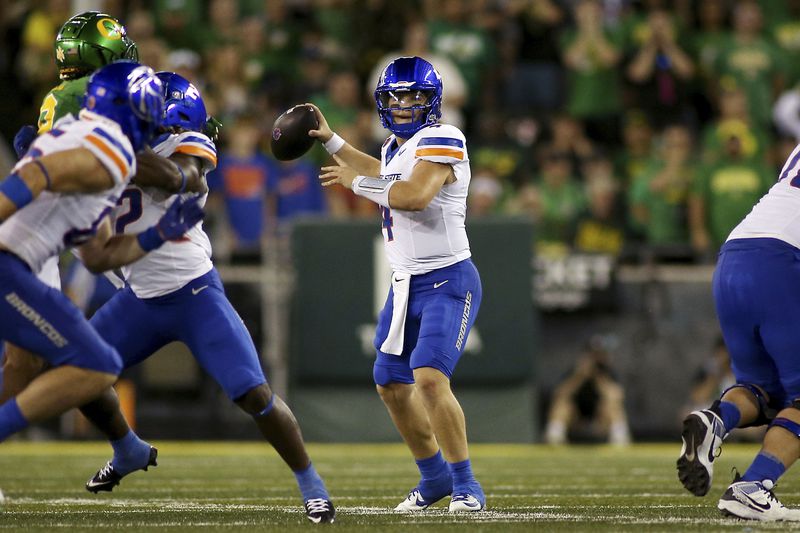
{"x": 341, "y": 282}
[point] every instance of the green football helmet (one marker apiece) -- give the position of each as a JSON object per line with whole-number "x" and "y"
{"x": 89, "y": 40}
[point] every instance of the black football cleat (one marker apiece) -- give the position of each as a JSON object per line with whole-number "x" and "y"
{"x": 107, "y": 478}
{"x": 702, "y": 437}
{"x": 320, "y": 511}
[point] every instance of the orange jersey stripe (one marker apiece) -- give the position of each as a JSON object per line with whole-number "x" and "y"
{"x": 447, "y": 152}
{"x": 197, "y": 151}
{"x": 103, "y": 146}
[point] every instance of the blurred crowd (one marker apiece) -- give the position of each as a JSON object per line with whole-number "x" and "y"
{"x": 641, "y": 129}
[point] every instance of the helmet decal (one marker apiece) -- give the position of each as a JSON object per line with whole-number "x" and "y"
{"x": 110, "y": 29}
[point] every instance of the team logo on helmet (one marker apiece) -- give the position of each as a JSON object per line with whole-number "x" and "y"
{"x": 60, "y": 56}
{"x": 110, "y": 29}
{"x": 276, "y": 133}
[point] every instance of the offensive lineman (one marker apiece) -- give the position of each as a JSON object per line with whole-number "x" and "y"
{"x": 175, "y": 294}
{"x": 420, "y": 184}
{"x": 755, "y": 292}
{"x": 58, "y": 196}
{"x": 84, "y": 43}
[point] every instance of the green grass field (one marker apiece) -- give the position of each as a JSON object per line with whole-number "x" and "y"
{"x": 245, "y": 487}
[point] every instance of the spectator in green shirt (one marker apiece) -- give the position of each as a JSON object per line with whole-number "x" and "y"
{"x": 783, "y": 25}
{"x": 661, "y": 71}
{"x": 555, "y": 200}
{"x": 591, "y": 54}
{"x": 600, "y": 228}
{"x": 637, "y": 144}
{"x": 722, "y": 194}
{"x": 753, "y": 62}
{"x": 658, "y": 197}
{"x": 734, "y": 121}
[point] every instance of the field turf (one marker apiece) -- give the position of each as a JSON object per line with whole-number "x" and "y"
{"x": 245, "y": 487}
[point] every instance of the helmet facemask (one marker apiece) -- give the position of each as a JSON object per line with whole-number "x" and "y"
{"x": 417, "y": 102}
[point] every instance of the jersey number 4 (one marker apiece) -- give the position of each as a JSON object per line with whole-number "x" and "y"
{"x": 386, "y": 216}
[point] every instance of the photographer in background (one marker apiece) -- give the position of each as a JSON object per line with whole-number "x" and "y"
{"x": 589, "y": 402}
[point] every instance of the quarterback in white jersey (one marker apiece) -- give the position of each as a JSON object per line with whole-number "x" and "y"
{"x": 420, "y": 183}
{"x": 435, "y": 237}
{"x": 58, "y": 196}
{"x": 755, "y": 292}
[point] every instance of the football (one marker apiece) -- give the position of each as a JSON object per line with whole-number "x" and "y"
{"x": 290, "y": 137}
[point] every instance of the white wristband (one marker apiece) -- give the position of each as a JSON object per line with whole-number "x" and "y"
{"x": 334, "y": 144}
{"x": 374, "y": 189}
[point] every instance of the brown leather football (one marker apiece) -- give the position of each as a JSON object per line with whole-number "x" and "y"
{"x": 290, "y": 137}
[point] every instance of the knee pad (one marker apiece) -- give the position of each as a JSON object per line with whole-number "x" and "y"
{"x": 789, "y": 425}
{"x": 767, "y": 407}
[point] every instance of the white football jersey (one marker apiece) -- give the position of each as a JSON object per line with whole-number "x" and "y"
{"x": 777, "y": 213}
{"x": 418, "y": 242}
{"x": 53, "y": 221}
{"x": 176, "y": 263}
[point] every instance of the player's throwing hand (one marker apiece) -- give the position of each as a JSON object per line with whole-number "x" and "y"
{"x": 324, "y": 132}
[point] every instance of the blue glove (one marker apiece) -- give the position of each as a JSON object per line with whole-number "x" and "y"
{"x": 179, "y": 218}
{"x": 23, "y": 140}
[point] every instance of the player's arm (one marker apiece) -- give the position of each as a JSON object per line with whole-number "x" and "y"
{"x": 106, "y": 251}
{"x": 426, "y": 180}
{"x": 69, "y": 171}
{"x": 177, "y": 174}
{"x": 364, "y": 164}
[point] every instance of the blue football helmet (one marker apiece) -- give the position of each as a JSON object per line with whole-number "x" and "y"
{"x": 131, "y": 95}
{"x": 409, "y": 74}
{"x": 183, "y": 104}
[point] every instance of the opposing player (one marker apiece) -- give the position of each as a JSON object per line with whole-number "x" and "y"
{"x": 58, "y": 196}
{"x": 175, "y": 294}
{"x": 84, "y": 43}
{"x": 756, "y": 300}
{"x": 420, "y": 184}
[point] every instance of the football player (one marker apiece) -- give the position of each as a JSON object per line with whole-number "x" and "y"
{"x": 84, "y": 43}
{"x": 175, "y": 294}
{"x": 59, "y": 196}
{"x": 420, "y": 184}
{"x": 756, "y": 305}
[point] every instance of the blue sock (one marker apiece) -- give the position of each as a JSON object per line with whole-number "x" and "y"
{"x": 11, "y": 419}
{"x": 463, "y": 478}
{"x": 130, "y": 453}
{"x": 311, "y": 485}
{"x": 436, "y": 480}
{"x": 764, "y": 466}
{"x": 729, "y": 414}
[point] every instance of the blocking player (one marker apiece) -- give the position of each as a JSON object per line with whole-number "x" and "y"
{"x": 59, "y": 196}
{"x": 175, "y": 294}
{"x": 420, "y": 184}
{"x": 84, "y": 43}
{"x": 756, "y": 301}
